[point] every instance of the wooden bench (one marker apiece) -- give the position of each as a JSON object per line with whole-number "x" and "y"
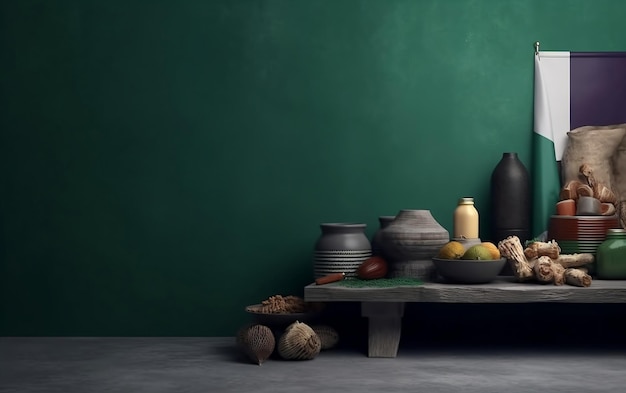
{"x": 384, "y": 307}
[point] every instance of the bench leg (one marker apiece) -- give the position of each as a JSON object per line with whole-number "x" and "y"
{"x": 385, "y": 326}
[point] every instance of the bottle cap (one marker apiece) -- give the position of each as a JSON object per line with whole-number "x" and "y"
{"x": 466, "y": 201}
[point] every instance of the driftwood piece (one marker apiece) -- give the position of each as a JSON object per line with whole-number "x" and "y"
{"x": 538, "y": 249}
{"x": 587, "y": 172}
{"x": 511, "y": 248}
{"x": 559, "y": 274}
{"x": 546, "y": 271}
{"x": 570, "y": 190}
{"x": 608, "y": 209}
{"x": 543, "y": 270}
{"x": 600, "y": 191}
{"x": 574, "y": 260}
{"x": 584, "y": 190}
{"x": 577, "y": 277}
{"x": 604, "y": 194}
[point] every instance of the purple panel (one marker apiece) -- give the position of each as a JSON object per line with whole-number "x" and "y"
{"x": 597, "y": 88}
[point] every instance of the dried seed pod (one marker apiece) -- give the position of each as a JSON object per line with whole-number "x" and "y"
{"x": 299, "y": 342}
{"x": 328, "y": 336}
{"x": 372, "y": 268}
{"x": 257, "y": 342}
{"x": 278, "y": 304}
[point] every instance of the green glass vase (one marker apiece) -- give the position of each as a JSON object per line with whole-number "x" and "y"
{"x": 611, "y": 256}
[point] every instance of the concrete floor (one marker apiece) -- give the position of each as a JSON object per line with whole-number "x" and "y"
{"x": 137, "y": 365}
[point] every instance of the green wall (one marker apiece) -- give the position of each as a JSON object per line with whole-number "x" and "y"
{"x": 164, "y": 164}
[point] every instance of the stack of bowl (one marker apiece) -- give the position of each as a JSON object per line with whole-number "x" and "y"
{"x": 580, "y": 234}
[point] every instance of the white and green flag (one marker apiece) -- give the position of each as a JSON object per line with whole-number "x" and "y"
{"x": 546, "y": 142}
{"x": 572, "y": 89}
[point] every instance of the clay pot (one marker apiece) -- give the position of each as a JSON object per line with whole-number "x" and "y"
{"x": 588, "y": 206}
{"x": 384, "y": 222}
{"x": 410, "y": 242}
{"x": 566, "y": 207}
{"x": 341, "y": 248}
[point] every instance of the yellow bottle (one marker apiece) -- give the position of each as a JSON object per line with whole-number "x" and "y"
{"x": 466, "y": 219}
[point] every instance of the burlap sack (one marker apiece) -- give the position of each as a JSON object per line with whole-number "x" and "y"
{"x": 621, "y": 213}
{"x": 595, "y": 146}
{"x": 619, "y": 169}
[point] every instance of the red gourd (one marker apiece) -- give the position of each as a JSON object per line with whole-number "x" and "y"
{"x": 372, "y": 268}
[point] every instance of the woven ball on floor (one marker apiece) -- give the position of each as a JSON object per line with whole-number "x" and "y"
{"x": 327, "y": 334}
{"x": 257, "y": 342}
{"x": 299, "y": 342}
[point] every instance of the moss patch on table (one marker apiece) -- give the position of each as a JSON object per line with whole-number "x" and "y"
{"x": 380, "y": 282}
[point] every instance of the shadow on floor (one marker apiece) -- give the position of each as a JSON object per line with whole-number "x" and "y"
{"x": 505, "y": 326}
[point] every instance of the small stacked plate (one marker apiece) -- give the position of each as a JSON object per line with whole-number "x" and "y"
{"x": 580, "y": 234}
{"x": 340, "y": 261}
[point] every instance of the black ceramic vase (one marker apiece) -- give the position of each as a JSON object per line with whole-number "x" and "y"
{"x": 510, "y": 199}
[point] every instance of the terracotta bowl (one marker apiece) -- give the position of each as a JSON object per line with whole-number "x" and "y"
{"x": 468, "y": 271}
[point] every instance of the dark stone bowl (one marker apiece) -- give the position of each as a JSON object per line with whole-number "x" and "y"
{"x": 468, "y": 271}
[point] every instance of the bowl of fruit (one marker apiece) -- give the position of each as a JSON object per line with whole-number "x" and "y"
{"x": 478, "y": 264}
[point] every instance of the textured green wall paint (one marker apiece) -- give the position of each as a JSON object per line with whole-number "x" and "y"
{"x": 166, "y": 163}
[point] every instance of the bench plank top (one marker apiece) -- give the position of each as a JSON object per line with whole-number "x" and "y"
{"x": 502, "y": 290}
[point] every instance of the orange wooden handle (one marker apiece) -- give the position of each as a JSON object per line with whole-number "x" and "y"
{"x": 330, "y": 278}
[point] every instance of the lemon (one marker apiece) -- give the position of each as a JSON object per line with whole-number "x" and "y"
{"x": 477, "y": 252}
{"x": 451, "y": 250}
{"x": 493, "y": 249}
